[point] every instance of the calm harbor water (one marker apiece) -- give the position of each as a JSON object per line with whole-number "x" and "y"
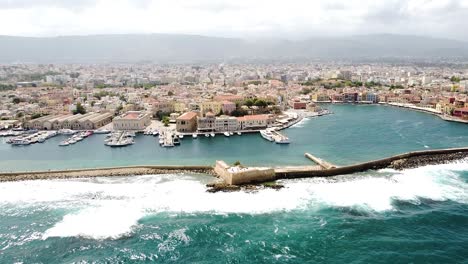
{"x": 411, "y": 216}
{"x": 352, "y": 134}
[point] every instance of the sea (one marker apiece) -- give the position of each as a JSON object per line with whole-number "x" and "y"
{"x": 416, "y": 215}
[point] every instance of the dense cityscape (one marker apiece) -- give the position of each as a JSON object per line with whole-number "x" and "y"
{"x": 263, "y": 92}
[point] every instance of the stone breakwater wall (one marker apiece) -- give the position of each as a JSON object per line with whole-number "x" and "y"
{"x": 402, "y": 161}
{"x": 104, "y": 172}
{"x": 248, "y": 175}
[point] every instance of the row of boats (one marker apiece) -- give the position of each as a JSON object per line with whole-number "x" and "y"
{"x": 120, "y": 139}
{"x": 77, "y": 137}
{"x": 28, "y": 139}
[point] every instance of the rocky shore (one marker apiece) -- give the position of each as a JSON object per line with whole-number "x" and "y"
{"x": 418, "y": 161}
{"x": 104, "y": 172}
{"x": 224, "y": 187}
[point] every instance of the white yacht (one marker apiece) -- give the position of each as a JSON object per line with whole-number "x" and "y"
{"x": 226, "y": 134}
{"x": 194, "y": 136}
{"x": 207, "y": 135}
{"x": 282, "y": 140}
{"x": 239, "y": 133}
{"x": 181, "y": 136}
{"x": 267, "y": 135}
{"x": 212, "y": 134}
{"x": 20, "y": 142}
{"x": 66, "y": 132}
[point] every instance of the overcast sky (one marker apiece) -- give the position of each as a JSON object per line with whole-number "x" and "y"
{"x": 235, "y": 18}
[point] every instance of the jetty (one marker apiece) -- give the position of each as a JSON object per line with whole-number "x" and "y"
{"x": 240, "y": 175}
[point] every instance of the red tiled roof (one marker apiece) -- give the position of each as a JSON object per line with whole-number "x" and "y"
{"x": 187, "y": 116}
{"x": 253, "y": 117}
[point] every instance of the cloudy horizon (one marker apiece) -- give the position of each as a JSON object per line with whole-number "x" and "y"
{"x": 293, "y": 19}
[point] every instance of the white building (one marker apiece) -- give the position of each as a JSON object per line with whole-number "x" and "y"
{"x": 132, "y": 120}
{"x": 226, "y": 123}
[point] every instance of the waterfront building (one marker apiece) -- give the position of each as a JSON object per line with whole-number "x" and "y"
{"x": 132, "y": 120}
{"x": 206, "y": 123}
{"x": 461, "y": 113}
{"x": 226, "y": 123}
{"x": 255, "y": 121}
{"x": 187, "y": 122}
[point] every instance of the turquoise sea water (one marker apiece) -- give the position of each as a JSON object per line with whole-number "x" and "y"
{"x": 352, "y": 134}
{"x": 411, "y": 216}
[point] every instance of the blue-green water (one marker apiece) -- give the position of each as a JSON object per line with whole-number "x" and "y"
{"x": 353, "y": 133}
{"x": 411, "y": 216}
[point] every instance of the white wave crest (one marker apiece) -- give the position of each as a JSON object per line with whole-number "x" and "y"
{"x": 111, "y": 207}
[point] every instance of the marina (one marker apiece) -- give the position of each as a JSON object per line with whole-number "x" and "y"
{"x": 120, "y": 139}
{"x": 341, "y": 147}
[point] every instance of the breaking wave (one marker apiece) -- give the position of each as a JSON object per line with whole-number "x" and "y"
{"x": 111, "y": 207}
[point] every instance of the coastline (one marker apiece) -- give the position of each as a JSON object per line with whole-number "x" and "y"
{"x": 426, "y": 110}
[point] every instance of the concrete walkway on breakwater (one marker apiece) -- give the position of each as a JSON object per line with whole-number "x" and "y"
{"x": 103, "y": 172}
{"x": 287, "y": 172}
{"x": 298, "y": 172}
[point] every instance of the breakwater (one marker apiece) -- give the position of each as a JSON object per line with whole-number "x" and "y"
{"x": 103, "y": 172}
{"x": 401, "y": 161}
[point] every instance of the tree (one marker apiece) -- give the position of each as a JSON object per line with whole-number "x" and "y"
{"x": 249, "y": 102}
{"x": 261, "y": 103}
{"x": 16, "y": 100}
{"x": 165, "y": 121}
{"x": 79, "y": 109}
{"x": 170, "y": 93}
{"x": 237, "y": 163}
{"x": 455, "y": 79}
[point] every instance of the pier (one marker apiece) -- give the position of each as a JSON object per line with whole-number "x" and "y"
{"x": 322, "y": 163}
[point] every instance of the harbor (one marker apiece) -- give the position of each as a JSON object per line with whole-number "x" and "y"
{"x": 338, "y": 138}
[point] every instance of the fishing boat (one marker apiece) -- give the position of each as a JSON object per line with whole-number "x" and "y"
{"x": 155, "y": 133}
{"x": 176, "y": 140}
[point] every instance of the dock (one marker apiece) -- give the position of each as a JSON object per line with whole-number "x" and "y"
{"x": 322, "y": 163}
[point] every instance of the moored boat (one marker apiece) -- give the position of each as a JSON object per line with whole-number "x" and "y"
{"x": 267, "y": 135}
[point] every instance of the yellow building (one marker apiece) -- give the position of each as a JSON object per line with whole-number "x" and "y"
{"x": 211, "y": 106}
{"x": 180, "y": 107}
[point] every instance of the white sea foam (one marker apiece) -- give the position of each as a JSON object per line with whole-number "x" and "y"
{"x": 111, "y": 207}
{"x": 301, "y": 123}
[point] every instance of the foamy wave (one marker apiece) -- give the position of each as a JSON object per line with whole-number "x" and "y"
{"x": 111, "y": 207}
{"x": 111, "y": 220}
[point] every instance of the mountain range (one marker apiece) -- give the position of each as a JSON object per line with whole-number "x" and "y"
{"x": 168, "y": 48}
